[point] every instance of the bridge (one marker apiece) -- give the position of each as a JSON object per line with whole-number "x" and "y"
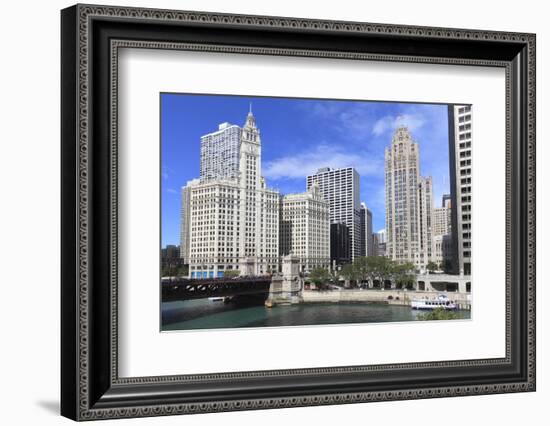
{"x": 187, "y": 289}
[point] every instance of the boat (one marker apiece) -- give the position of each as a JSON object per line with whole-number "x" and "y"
{"x": 425, "y": 303}
{"x": 216, "y": 299}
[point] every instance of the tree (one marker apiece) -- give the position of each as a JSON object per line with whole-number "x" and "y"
{"x": 319, "y": 277}
{"x": 438, "y": 314}
{"x": 231, "y": 273}
{"x": 403, "y": 274}
{"x": 349, "y": 272}
{"x": 431, "y": 267}
{"x": 362, "y": 267}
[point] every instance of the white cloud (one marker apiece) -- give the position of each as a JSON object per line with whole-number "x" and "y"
{"x": 389, "y": 123}
{"x": 308, "y": 162}
{"x": 171, "y": 191}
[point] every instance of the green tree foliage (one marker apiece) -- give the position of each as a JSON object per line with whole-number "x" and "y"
{"x": 320, "y": 277}
{"x": 349, "y": 272}
{"x": 403, "y": 274}
{"x": 438, "y": 314}
{"x": 231, "y": 273}
{"x": 431, "y": 267}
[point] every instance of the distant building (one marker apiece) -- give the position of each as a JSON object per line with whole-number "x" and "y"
{"x": 446, "y": 200}
{"x": 340, "y": 252}
{"x": 340, "y": 187}
{"x": 170, "y": 256}
{"x": 367, "y": 242}
{"x": 425, "y": 195}
{"x": 460, "y": 161}
{"x": 220, "y": 153}
{"x": 305, "y": 228}
{"x": 441, "y": 221}
{"x": 379, "y": 239}
{"x": 171, "y": 252}
{"x": 185, "y": 220}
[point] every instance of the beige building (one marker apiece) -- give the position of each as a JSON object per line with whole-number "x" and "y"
{"x": 305, "y": 228}
{"x": 234, "y": 222}
{"x": 185, "y": 219}
{"x": 442, "y": 234}
{"x": 409, "y": 202}
{"x": 441, "y": 221}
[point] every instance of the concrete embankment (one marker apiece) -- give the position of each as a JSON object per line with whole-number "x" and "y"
{"x": 394, "y": 297}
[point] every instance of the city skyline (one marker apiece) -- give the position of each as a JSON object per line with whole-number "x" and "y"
{"x": 298, "y": 137}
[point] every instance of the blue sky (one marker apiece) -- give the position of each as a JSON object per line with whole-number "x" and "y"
{"x": 298, "y": 137}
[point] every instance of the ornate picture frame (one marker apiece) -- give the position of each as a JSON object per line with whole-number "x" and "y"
{"x": 91, "y": 37}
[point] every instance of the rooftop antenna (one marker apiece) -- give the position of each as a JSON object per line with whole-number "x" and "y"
{"x": 250, "y": 107}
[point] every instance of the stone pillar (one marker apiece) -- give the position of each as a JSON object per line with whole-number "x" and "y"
{"x": 247, "y": 266}
{"x": 462, "y": 286}
{"x": 288, "y": 287}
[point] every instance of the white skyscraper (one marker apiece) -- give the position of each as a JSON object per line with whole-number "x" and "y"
{"x": 340, "y": 187}
{"x": 220, "y": 153}
{"x": 234, "y": 221}
{"x": 305, "y": 228}
{"x": 460, "y": 158}
{"x": 409, "y": 201}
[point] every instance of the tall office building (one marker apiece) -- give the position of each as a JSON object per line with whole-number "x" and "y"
{"x": 408, "y": 202}
{"x": 339, "y": 245}
{"x": 446, "y": 200}
{"x": 305, "y": 228}
{"x": 220, "y": 153}
{"x": 460, "y": 159}
{"x": 425, "y": 195}
{"x": 442, "y": 232}
{"x": 380, "y": 242}
{"x": 185, "y": 219}
{"x": 367, "y": 242}
{"x": 441, "y": 221}
{"x": 234, "y": 217}
{"x": 340, "y": 187}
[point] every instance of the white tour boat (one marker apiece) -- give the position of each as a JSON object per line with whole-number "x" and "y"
{"x": 442, "y": 301}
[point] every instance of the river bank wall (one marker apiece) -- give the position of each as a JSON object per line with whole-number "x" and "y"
{"x": 393, "y": 297}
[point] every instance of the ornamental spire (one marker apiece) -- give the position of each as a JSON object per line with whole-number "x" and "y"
{"x": 250, "y": 120}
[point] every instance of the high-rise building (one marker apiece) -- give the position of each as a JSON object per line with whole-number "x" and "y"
{"x": 340, "y": 187}
{"x": 425, "y": 195}
{"x": 305, "y": 228}
{"x": 185, "y": 219}
{"x": 220, "y": 153}
{"x": 234, "y": 217}
{"x": 441, "y": 221}
{"x": 382, "y": 238}
{"x": 446, "y": 200}
{"x": 367, "y": 242}
{"x": 409, "y": 200}
{"x": 460, "y": 159}
{"x": 340, "y": 246}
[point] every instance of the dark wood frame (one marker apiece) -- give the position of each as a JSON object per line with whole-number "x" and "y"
{"x": 90, "y": 386}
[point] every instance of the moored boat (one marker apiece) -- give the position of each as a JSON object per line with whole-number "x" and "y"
{"x": 442, "y": 301}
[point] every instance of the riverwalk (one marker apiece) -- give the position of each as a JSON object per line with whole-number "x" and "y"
{"x": 392, "y": 297}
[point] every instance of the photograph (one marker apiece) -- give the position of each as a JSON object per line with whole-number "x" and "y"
{"x": 295, "y": 212}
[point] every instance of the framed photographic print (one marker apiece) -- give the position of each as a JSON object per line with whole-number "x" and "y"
{"x": 263, "y": 212}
